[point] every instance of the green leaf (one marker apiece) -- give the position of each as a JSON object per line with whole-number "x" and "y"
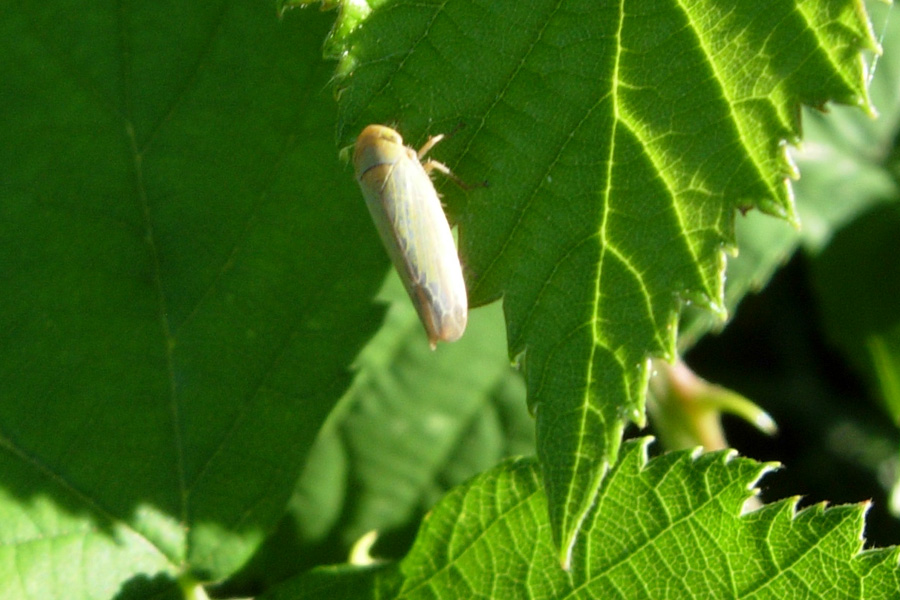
{"x": 848, "y": 167}
{"x": 617, "y": 143}
{"x": 674, "y": 527}
{"x": 188, "y": 269}
{"x": 858, "y": 285}
{"x": 843, "y": 173}
{"x": 180, "y": 302}
{"x": 399, "y": 441}
{"x": 856, "y": 279}
{"x": 413, "y": 424}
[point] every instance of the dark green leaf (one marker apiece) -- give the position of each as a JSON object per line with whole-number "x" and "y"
{"x": 180, "y": 303}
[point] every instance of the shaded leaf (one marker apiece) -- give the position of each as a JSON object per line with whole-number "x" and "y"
{"x": 414, "y": 423}
{"x": 180, "y": 304}
{"x": 859, "y": 286}
{"x": 401, "y": 424}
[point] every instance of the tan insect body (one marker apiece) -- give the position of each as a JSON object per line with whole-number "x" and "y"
{"x": 413, "y": 227}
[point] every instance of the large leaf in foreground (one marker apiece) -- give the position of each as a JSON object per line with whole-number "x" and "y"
{"x": 673, "y": 527}
{"x": 179, "y": 301}
{"x": 618, "y": 140}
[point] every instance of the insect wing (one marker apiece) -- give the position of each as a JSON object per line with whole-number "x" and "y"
{"x": 415, "y": 231}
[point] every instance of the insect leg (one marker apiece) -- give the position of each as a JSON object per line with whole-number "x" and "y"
{"x": 433, "y": 165}
{"x": 429, "y": 145}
